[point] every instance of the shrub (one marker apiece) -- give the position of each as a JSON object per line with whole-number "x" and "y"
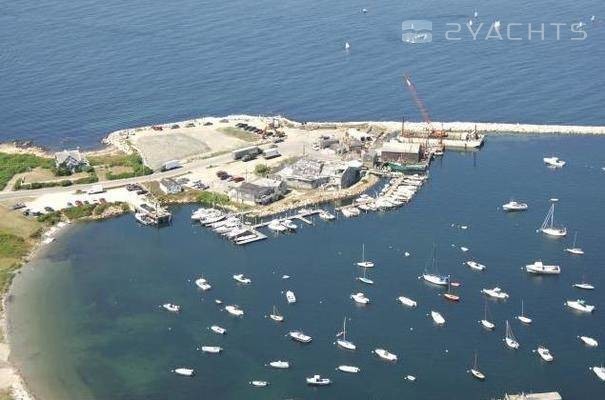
{"x": 261, "y": 170}
{"x": 212, "y": 198}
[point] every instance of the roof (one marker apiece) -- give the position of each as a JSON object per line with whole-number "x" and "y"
{"x": 253, "y": 189}
{"x": 398, "y": 147}
{"x": 170, "y": 183}
{"x": 62, "y": 156}
{"x": 267, "y": 182}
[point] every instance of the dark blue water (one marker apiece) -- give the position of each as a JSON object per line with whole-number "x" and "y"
{"x": 72, "y": 71}
{"x": 90, "y": 303}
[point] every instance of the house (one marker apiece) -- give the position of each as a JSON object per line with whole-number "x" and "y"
{"x": 404, "y": 153}
{"x": 170, "y": 186}
{"x": 261, "y": 191}
{"x": 311, "y": 174}
{"x": 70, "y": 160}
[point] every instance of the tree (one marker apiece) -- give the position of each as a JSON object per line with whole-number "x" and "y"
{"x": 261, "y": 170}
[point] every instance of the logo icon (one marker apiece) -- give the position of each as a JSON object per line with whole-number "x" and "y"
{"x": 417, "y": 31}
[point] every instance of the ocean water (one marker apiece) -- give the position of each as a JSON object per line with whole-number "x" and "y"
{"x": 72, "y": 71}
{"x": 85, "y": 320}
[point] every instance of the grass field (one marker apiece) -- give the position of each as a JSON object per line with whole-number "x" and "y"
{"x": 239, "y": 134}
{"x": 12, "y": 164}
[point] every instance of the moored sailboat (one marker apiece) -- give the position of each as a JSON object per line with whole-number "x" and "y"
{"x": 342, "y": 341}
{"x": 574, "y": 249}
{"x": 475, "y": 370}
{"x": 523, "y": 318}
{"x": 510, "y": 339}
{"x": 548, "y": 226}
{"x": 364, "y": 263}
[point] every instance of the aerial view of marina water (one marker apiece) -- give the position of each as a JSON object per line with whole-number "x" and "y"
{"x": 302, "y": 200}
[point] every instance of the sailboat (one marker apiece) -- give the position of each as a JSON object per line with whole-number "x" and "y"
{"x": 435, "y": 278}
{"x": 548, "y": 226}
{"x": 475, "y": 370}
{"x": 276, "y": 316}
{"x": 449, "y": 295}
{"x": 573, "y": 249}
{"x": 510, "y": 339}
{"x": 343, "y": 342}
{"x": 523, "y": 318}
{"x": 364, "y": 279}
{"x": 487, "y": 324}
{"x": 363, "y": 263}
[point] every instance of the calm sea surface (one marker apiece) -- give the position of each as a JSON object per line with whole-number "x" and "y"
{"x": 86, "y": 322}
{"x": 72, "y": 71}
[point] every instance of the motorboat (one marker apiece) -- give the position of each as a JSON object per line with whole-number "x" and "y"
{"x": 440, "y": 280}
{"x": 276, "y": 226}
{"x": 290, "y": 297}
{"x": 512, "y": 206}
{"x": 234, "y": 310}
{"x": 342, "y": 341}
{"x": 218, "y": 329}
{"x": 360, "y": 298}
{"x": 554, "y": 162}
{"x": 475, "y": 265}
{"x": 487, "y": 324}
{"x": 364, "y": 263}
{"x": 410, "y": 378}
{"x": 406, "y": 301}
{"x": 211, "y": 349}
{"x": 364, "y": 278}
{"x": 203, "y": 284}
{"x": 171, "y": 307}
{"x": 523, "y": 318}
{"x": 548, "y": 226}
{"x": 538, "y": 268}
{"x": 437, "y": 318}
{"x": 299, "y": 336}
{"x": 279, "y": 364}
{"x": 599, "y": 372}
{"x": 588, "y": 341}
{"x": 289, "y": 224}
{"x": 449, "y": 295}
{"x": 240, "y": 278}
{"x": 350, "y": 369}
{"x": 580, "y": 305}
{"x": 326, "y": 216}
{"x": 574, "y": 249}
{"x": 464, "y": 249}
{"x": 385, "y": 355}
{"x": 350, "y": 211}
{"x": 495, "y": 293}
{"x": 218, "y": 301}
{"x": 259, "y": 383}
{"x": 510, "y": 339}
{"x": 276, "y": 316}
{"x": 184, "y": 371}
{"x": 545, "y": 354}
{"x": 583, "y": 285}
{"x": 475, "y": 370}
{"x": 317, "y": 380}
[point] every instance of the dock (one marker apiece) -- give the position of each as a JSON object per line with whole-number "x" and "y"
{"x": 302, "y": 215}
{"x": 534, "y": 396}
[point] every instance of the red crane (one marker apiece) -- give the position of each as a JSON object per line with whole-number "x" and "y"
{"x": 407, "y": 81}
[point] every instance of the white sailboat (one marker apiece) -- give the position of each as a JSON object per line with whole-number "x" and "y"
{"x": 523, "y": 318}
{"x": 588, "y": 341}
{"x": 475, "y": 370}
{"x": 487, "y": 324}
{"x": 510, "y": 339}
{"x": 276, "y": 316}
{"x": 365, "y": 279}
{"x": 435, "y": 278}
{"x": 364, "y": 263}
{"x": 548, "y": 226}
{"x": 584, "y": 285}
{"x": 573, "y": 249}
{"x": 342, "y": 341}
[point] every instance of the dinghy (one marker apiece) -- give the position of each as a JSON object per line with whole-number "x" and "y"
{"x": 184, "y": 371}
{"x": 437, "y": 318}
{"x": 410, "y": 378}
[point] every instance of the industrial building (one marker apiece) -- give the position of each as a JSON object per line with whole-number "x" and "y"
{"x": 403, "y": 153}
{"x": 261, "y": 191}
{"x": 170, "y": 186}
{"x": 311, "y": 174}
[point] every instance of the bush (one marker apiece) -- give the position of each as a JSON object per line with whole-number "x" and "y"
{"x": 82, "y": 211}
{"x": 51, "y": 218}
{"x": 212, "y": 198}
{"x": 261, "y": 170}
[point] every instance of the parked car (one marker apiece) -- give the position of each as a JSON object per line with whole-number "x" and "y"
{"x": 49, "y": 209}
{"x": 221, "y": 173}
{"x": 238, "y": 179}
{"x": 17, "y": 206}
{"x": 207, "y": 123}
{"x": 141, "y": 191}
{"x": 248, "y": 157}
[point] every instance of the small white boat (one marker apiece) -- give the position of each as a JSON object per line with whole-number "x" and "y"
{"x": 574, "y": 249}
{"x": 495, "y": 293}
{"x": 184, "y": 371}
{"x": 487, "y": 324}
{"x": 218, "y": 301}
{"x": 342, "y": 341}
{"x": 475, "y": 370}
{"x": 385, "y": 355}
{"x": 440, "y": 280}
{"x": 583, "y": 285}
{"x": 240, "y": 278}
{"x": 290, "y": 297}
{"x": 276, "y": 226}
{"x": 599, "y": 372}
{"x": 548, "y": 226}
{"x": 171, "y": 307}
{"x": 512, "y": 206}
{"x": 299, "y": 336}
{"x": 364, "y": 278}
{"x": 211, "y": 349}
{"x": 464, "y": 249}
{"x": 289, "y": 224}
{"x": 259, "y": 383}
{"x": 326, "y": 215}
{"x": 545, "y": 354}
{"x": 475, "y": 265}
{"x": 410, "y": 378}
{"x": 510, "y": 339}
{"x": 437, "y": 318}
{"x": 279, "y": 364}
{"x": 364, "y": 263}
{"x": 588, "y": 341}
{"x": 360, "y": 298}
{"x": 523, "y": 318}
{"x": 203, "y": 284}
{"x": 234, "y": 310}
{"x": 580, "y": 305}
{"x": 276, "y": 316}
{"x": 538, "y": 268}
{"x": 317, "y": 380}
{"x": 554, "y": 162}
{"x": 218, "y": 329}
{"x": 350, "y": 369}
{"x": 406, "y": 301}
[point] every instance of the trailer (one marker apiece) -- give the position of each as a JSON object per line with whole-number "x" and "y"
{"x": 172, "y": 164}
{"x": 252, "y": 151}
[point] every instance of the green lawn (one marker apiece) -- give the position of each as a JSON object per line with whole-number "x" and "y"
{"x": 13, "y": 164}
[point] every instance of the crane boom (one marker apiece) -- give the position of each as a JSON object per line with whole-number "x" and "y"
{"x": 407, "y": 81}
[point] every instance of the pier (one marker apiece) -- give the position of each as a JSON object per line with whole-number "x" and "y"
{"x": 301, "y": 216}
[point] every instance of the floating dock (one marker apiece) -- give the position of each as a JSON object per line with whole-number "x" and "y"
{"x": 534, "y": 396}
